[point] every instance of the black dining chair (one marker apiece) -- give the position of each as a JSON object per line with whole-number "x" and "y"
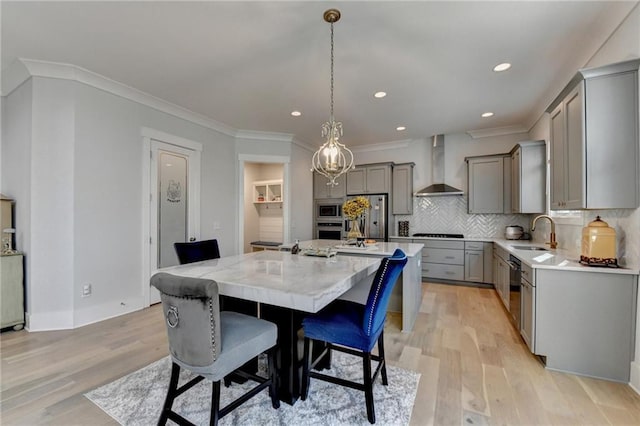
{"x": 210, "y": 343}
{"x": 196, "y": 251}
{"x": 353, "y": 328}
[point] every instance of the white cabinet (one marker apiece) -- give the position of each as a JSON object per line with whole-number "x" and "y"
{"x": 11, "y": 291}
{"x": 402, "y": 188}
{"x": 322, "y": 191}
{"x": 369, "y": 179}
{"x": 267, "y": 191}
{"x": 594, "y": 140}
{"x": 489, "y": 184}
{"x": 528, "y": 177}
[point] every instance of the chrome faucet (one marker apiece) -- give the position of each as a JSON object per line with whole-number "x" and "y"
{"x": 552, "y": 236}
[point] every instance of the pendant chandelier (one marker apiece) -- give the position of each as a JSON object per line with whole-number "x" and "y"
{"x": 332, "y": 159}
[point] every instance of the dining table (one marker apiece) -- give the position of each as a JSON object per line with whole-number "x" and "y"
{"x": 285, "y": 287}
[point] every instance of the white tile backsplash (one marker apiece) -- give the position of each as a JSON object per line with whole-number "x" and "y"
{"x": 448, "y": 214}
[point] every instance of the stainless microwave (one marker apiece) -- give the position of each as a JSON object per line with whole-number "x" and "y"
{"x": 329, "y": 209}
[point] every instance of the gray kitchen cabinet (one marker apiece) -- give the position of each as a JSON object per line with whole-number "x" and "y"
{"x": 473, "y": 261}
{"x": 585, "y": 322}
{"x": 594, "y": 140}
{"x": 369, "y": 179}
{"x": 489, "y": 184}
{"x": 528, "y": 177}
{"x": 501, "y": 271}
{"x": 11, "y": 291}
{"x": 443, "y": 259}
{"x": 527, "y": 306}
{"x": 402, "y": 188}
{"x": 321, "y": 190}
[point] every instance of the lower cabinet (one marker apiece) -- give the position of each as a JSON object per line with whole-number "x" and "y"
{"x": 527, "y": 313}
{"x": 11, "y": 291}
{"x": 584, "y": 322}
{"x": 501, "y": 271}
{"x": 443, "y": 259}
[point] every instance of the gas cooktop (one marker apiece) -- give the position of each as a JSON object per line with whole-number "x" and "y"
{"x": 419, "y": 234}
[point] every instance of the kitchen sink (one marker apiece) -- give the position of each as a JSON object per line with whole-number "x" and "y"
{"x": 534, "y": 248}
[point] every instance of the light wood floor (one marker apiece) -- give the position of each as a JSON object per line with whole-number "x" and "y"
{"x": 475, "y": 369}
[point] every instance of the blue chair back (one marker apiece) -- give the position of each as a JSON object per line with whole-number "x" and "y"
{"x": 386, "y": 277}
{"x": 197, "y": 251}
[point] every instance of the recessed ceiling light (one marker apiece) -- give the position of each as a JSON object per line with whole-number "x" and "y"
{"x": 487, "y": 114}
{"x": 401, "y": 128}
{"x": 502, "y": 67}
{"x": 296, "y": 113}
{"x": 379, "y": 95}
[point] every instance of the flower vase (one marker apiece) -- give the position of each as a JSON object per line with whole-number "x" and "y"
{"x": 354, "y": 232}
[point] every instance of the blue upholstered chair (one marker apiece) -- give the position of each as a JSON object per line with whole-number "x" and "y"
{"x": 210, "y": 343}
{"x": 196, "y": 251}
{"x": 355, "y": 328}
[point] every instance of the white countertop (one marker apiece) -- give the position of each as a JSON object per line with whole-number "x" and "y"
{"x": 277, "y": 278}
{"x": 378, "y": 249}
{"x": 555, "y": 259}
{"x": 551, "y": 259}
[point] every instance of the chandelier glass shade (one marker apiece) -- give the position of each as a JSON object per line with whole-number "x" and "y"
{"x": 333, "y": 158}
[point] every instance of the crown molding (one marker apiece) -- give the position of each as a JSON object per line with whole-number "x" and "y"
{"x": 382, "y": 146}
{"x": 498, "y": 131}
{"x": 23, "y": 68}
{"x": 264, "y": 136}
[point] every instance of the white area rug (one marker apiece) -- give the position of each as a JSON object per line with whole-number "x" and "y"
{"x": 137, "y": 398}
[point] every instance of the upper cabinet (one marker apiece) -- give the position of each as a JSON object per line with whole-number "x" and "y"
{"x": 594, "y": 140}
{"x": 369, "y": 179}
{"x": 489, "y": 183}
{"x": 322, "y": 190}
{"x": 402, "y": 188}
{"x": 267, "y": 191}
{"x": 528, "y": 177}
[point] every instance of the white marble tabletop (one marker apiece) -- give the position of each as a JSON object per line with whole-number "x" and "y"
{"x": 378, "y": 249}
{"x": 304, "y": 283}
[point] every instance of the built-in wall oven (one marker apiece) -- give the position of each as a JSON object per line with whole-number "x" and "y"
{"x": 329, "y": 230}
{"x": 514, "y": 290}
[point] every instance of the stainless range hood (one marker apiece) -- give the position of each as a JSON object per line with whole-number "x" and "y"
{"x": 438, "y": 188}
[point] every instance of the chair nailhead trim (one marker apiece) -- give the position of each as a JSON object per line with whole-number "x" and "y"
{"x": 375, "y": 299}
{"x": 213, "y": 328}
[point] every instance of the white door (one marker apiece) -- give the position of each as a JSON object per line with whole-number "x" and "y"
{"x": 174, "y": 204}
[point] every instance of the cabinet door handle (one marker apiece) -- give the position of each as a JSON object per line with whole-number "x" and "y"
{"x": 449, "y": 257}
{"x": 449, "y": 272}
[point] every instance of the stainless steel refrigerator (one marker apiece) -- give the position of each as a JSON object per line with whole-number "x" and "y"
{"x": 374, "y": 223}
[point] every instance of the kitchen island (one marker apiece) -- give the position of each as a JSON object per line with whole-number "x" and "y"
{"x": 407, "y": 293}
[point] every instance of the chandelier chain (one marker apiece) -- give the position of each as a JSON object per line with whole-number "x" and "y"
{"x": 331, "y": 71}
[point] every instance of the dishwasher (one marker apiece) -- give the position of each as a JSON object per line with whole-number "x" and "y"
{"x": 514, "y": 290}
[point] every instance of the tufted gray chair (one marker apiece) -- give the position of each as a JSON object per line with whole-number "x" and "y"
{"x": 211, "y": 343}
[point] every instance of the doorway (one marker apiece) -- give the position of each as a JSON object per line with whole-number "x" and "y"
{"x": 173, "y": 207}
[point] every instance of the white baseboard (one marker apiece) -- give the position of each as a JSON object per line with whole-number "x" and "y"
{"x": 48, "y": 321}
{"x": 635, "y": 376}
{"x": 111, "y": 309}
{"x": 65, "y": 320}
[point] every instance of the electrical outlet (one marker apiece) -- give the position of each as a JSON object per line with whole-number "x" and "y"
{"x": 216, "y": 225}
{"x": 86, "y": 290}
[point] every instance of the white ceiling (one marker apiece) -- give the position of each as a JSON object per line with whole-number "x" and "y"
{"x": 249, "y": 64}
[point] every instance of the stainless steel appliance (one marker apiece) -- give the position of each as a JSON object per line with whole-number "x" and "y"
{"x": 514, "y": 290}
{"x": 513, "y": 232}
{"x": 374, "y": 223}
{"x": 326, "y": 209}
{"x": 329, "y": 230}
